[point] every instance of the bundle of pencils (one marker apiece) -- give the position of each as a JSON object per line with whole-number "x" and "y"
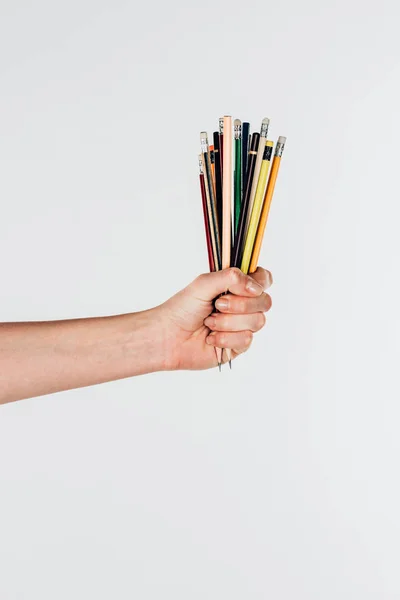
{"x": 237, "y": 185}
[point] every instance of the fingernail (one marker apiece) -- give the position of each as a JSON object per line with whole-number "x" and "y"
{"x": 210, "y": 322}
{"x": 210, "y": 338}
{"x": 253, "y": 287}
{"x": 222, "y": 303}
{"x": 269, "y": 278}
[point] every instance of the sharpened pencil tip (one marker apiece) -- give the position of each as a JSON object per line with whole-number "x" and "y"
{"x": 219, "y": 367}
{"x": 230, "y": 364}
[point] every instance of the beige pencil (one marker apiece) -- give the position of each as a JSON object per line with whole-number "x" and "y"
{"x": 227, "y": 202}
{"x": 227, "y": 194}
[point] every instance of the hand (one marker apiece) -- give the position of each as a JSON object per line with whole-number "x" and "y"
{"x": 46, "y": 357}
{"x": 193, "y": 329}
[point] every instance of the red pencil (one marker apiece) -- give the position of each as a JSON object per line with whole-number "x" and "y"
{"x": 205, "y": 214}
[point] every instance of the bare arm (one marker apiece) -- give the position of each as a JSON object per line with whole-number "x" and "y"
{"x": 41, "y": 358}
{"x": 45, "y": 357}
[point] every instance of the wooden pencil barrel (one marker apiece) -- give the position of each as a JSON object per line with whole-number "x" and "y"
{"x": 264, "y": 214}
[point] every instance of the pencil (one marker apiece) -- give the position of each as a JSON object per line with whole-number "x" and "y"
{"x": 226, "y": 202}
{"x": 245, "y": 149}
{"x": 213, "y": 220}
{"x": 221, "y": 142}
{"x": 205, "y": 214}
{"x": 267, "y": 203}
{"x": 203, "y": 186}
{"x": 212, "y": 161}
{"x": 237, "y": 174}
{"x": 211, "y": 208}
{"x": 257, "y": 206}
{"x": 240, "y": 235}
{"x": 209, "y": 220}
{"x": 218, "y": 179}
{"x": 227, "y": 193}
{"x": 257, "y": 168}
{"x": 221, "y": 162}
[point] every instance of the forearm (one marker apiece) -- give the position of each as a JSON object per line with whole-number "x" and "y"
{"x": 42, "y": 358}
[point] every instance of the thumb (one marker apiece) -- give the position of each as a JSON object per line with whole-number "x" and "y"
{"x": 210, "y": 285}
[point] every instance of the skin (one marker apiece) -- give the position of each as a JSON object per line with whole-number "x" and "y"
{"x": 181, "y": 334}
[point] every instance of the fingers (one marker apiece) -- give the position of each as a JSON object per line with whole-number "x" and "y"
{"x": 242, "y": 322}
{"x": 242, "y": 314}
{"x": 242, "y": 305}
{"x": 210, "y": 285}
{"x": 238, "y": 341}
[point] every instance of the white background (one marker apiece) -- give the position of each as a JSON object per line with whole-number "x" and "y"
{"x": 279, "y": 479}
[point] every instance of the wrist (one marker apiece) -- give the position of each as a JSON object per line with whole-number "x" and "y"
{"x": 145, "y": 347}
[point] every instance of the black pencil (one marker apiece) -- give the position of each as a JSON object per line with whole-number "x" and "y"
{"x": 218, "y": 178}
{"x": 241, "y": 231}
{"x": 245, "y": 149}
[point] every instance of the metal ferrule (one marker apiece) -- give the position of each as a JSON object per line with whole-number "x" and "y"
{"x": 201, "y": 165}
{"x": 264, "y": 129}
{"x": 204, "y": 143}
{"x": 238, "y": 132}
{"x": 279, "y": 149}
{"x": 221, "y": 126}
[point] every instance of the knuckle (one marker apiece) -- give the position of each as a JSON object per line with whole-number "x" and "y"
{"x": 261, "y": 320}
{"x": 226, "y": 323}
{"x": 248, "y": 338}
{"x": 221, "y": 339}
{"x": 220, "y": 322}
{"x": 261, "y": 273}
{"x": 235, "y": 275}
{"x": 240, "y": 305}
{"x": 266, "y": 277}
{"x": 201, "y": 278}
{"x": 267, "y": 302}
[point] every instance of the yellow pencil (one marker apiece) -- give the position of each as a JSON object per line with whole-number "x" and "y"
{"x": 257, "y": 168}
{"x": 257, "y": 206}
{"x": 267, "y": 203}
